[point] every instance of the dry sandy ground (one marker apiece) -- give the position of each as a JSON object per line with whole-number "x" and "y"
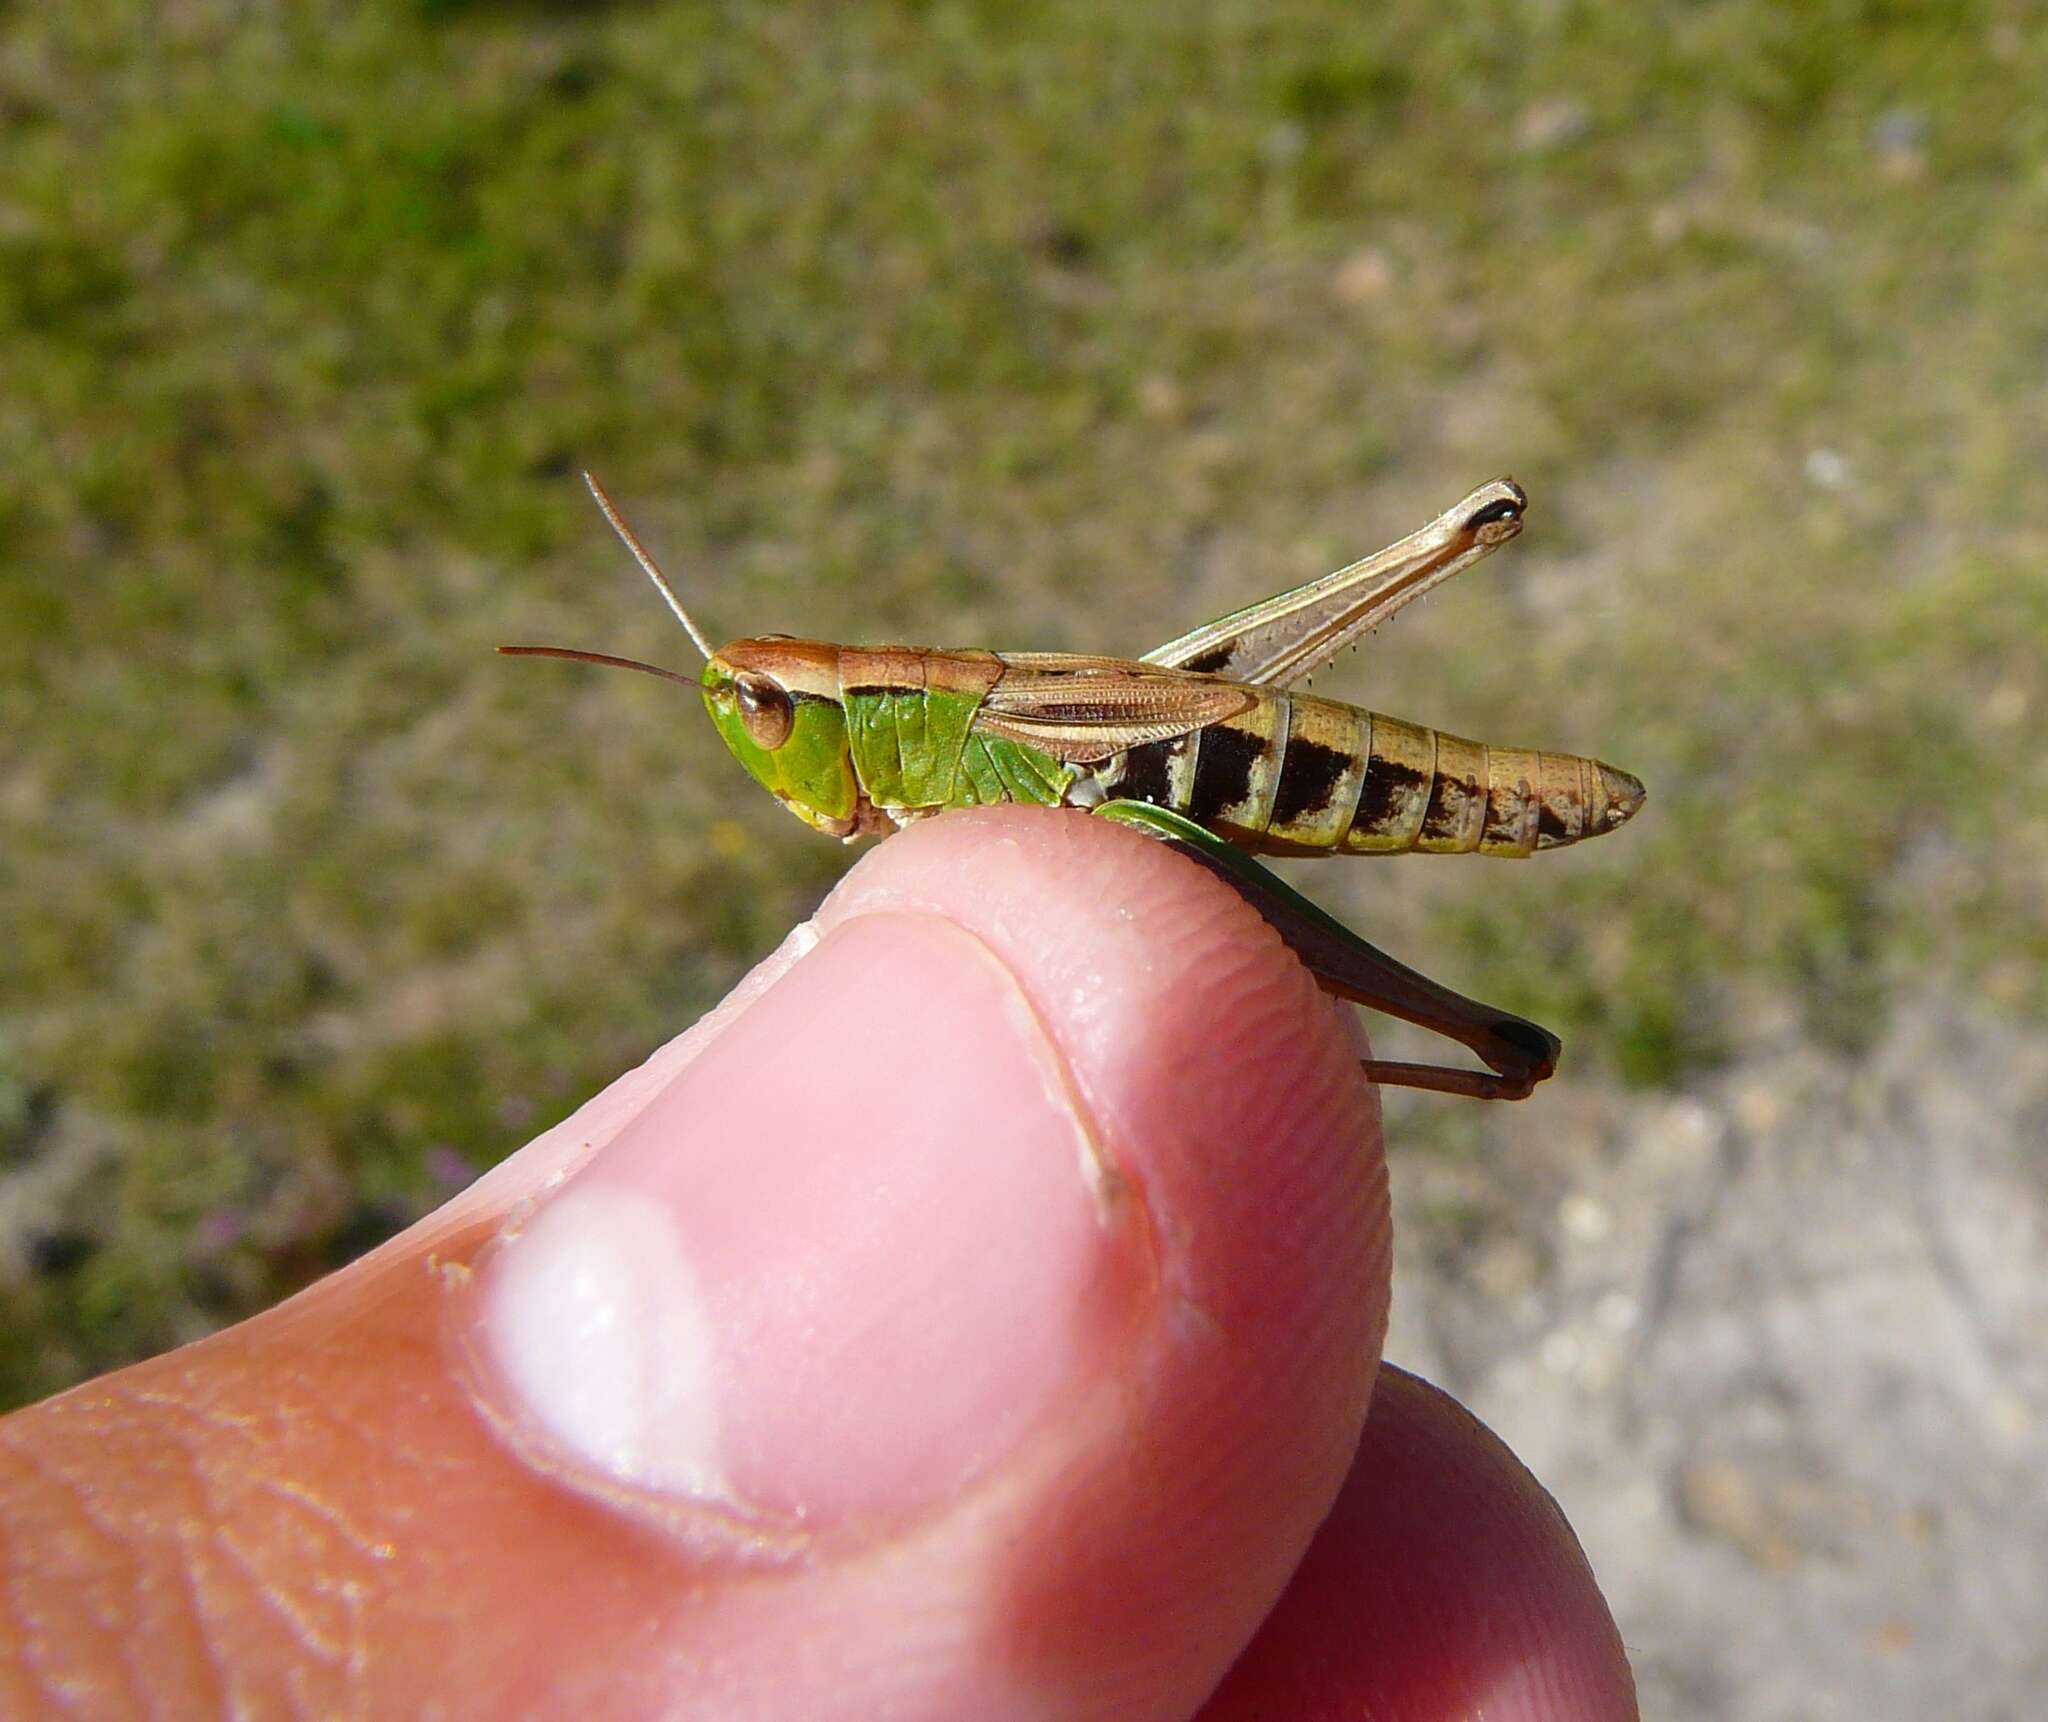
{"x": 1778, "y": 1348}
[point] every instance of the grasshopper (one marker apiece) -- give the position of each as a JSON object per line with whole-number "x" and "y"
{"x": 1199, "y": 744}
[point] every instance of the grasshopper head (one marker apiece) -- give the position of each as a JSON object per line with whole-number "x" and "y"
{"x": 777, "y": 703}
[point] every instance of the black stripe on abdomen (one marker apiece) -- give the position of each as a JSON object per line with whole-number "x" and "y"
{"x": 1145, "y": 774}
{"x": 1223, "y": 770}
{"x": 1388, "y": 785}
{"x": 1309, "y": 775}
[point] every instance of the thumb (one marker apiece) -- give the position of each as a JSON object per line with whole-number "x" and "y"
{"x": 975, "y": 1315}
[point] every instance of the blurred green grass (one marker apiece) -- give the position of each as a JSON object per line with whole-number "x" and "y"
{"x": 1028, "y": 325}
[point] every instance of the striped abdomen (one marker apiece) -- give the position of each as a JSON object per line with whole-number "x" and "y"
{"x": 1300, "y": 775}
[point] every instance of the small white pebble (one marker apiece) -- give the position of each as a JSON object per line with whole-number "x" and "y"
{"x": 1584, "y": 1219}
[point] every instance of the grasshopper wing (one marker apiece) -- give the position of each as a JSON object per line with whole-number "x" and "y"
{"x": 1083, "y": 710}
{"x": 1283, "y": 639}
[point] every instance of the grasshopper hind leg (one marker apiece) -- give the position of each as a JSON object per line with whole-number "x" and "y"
{"x": 1519, "y": 1053}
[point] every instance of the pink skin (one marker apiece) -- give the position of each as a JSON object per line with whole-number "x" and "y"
{"x": 976, "y": 1316}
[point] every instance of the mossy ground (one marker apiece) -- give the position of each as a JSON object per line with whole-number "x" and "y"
{"x": 1040, "y": 325}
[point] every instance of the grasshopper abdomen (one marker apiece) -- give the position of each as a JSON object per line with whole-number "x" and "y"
{"x": 1298, "y": 775}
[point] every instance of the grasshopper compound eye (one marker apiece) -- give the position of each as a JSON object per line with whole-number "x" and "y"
{"x": 765, "y": 709}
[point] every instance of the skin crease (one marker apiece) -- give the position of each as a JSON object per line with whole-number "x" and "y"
{"x": 1133, "y": 1423}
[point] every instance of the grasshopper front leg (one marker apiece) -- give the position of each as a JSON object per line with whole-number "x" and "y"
{"x": 1519, "y": 1053}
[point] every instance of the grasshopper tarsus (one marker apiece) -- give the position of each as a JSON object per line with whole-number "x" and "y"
{"x": 1448, "y": 1079}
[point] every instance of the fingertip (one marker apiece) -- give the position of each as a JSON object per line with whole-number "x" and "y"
{"x": 1445, "y": 1583}
{"x": 836, "y": 1270}
{"x": 1107, "y": 1394}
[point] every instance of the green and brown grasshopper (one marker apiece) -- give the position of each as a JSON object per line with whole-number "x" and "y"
{"x": 1199, "y": 744}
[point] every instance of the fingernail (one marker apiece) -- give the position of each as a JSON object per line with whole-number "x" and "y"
{"x": 852, "y": 1255}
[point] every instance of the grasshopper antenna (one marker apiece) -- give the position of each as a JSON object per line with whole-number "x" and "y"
{"x": 647, "y": 567}
{"x": 576, "y": 657}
